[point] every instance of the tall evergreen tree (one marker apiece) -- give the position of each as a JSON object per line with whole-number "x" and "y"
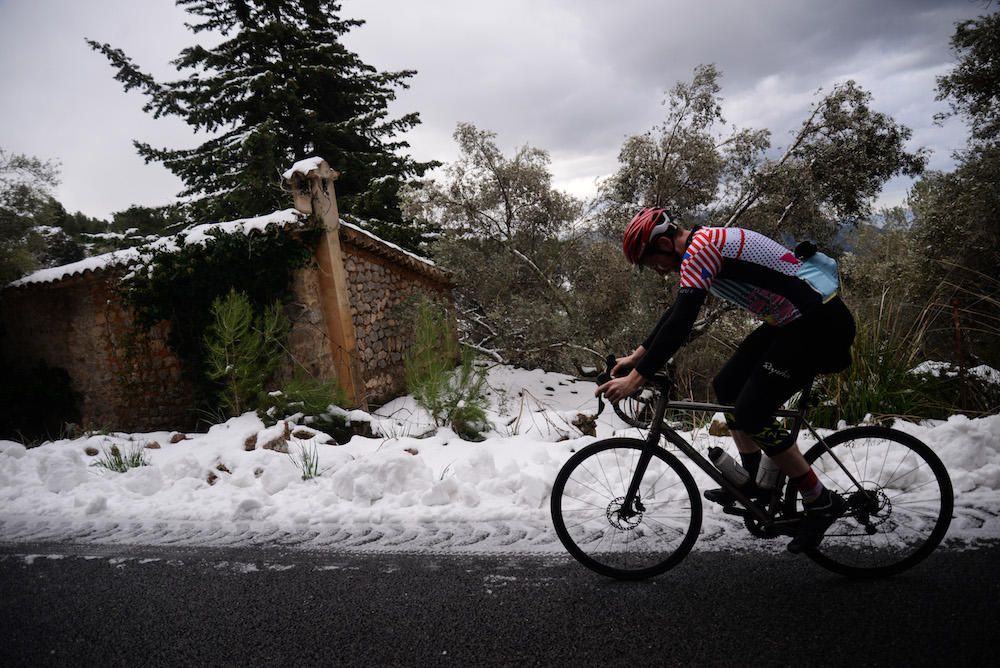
{"x": 280, "y": 88}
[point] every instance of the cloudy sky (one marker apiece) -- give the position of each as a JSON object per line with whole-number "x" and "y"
{"x": 574, "y": 77}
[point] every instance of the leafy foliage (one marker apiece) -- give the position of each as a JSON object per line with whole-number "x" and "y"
{"x": 452, "y": 397}
{"x": 182, "y": 285}
{"x": 310, "y": 400}
{"x": 972, "y": 87}
{"x": 25, "y": 184}
{"x": 838, "y": 161}
{"x": 282, "y": 87}
{"x": 243, "y": 350}
{"x": 507, "y": 232}
{"x": 882, "y": 383}
{"x": 955, "y": 215}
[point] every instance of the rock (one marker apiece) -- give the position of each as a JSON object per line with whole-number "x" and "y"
{"x": 93, "y": 452}
{"x": 250, "y": 443}
{"x": 587, "y": 424}
{"x": 222, "y": 468}
{"x": 177, "y": 438}
{"x": 718, "y": 428}
{"x": 279, "y": 444}
{"x": 303, "y": 434}
{"x": 362, "y": 428}
{"x": 412, "y": 451}
{"x": 212, "y": 477}
{"x": 152, "y": 445}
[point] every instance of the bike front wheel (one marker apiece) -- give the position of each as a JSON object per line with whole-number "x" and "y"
{"x": 630, "y": 544}
{"x": 897, "y": 516}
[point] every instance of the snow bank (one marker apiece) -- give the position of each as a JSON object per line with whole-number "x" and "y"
{"x": 209, "y": 483}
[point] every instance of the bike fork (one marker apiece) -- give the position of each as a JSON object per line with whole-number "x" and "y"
{"x": 632, "y": 503}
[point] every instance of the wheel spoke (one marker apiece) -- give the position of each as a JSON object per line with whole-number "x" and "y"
{"x": 587, "y": 512}
{"x": 908, "y": 492}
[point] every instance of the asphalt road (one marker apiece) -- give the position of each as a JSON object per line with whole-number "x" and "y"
{"x": 105, "y": 605}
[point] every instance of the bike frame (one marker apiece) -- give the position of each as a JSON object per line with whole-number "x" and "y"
{"x": 658, "y": 428}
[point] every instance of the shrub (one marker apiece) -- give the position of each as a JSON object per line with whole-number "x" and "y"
{"x": 114, "y": 460}
{"x": 243, "y": 350}
{"x": 306, "y": 459}
{"x": 312, "y": 400}
{"x": 881, "y": 381}
{"x": 454, "y": 397}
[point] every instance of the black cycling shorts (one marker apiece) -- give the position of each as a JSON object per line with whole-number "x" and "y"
{"x": 773, "y": 363}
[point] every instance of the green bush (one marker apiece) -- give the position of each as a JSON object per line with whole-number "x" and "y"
{"x": 311, "y": 399}
{"x": 881, "y": 381}
{"x": 181, "y": 285}
{"x": 243, "y": 350}
{"x": 454, "y": 397}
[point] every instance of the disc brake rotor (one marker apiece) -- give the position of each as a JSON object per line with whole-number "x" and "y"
{"x": 618, "y": 520}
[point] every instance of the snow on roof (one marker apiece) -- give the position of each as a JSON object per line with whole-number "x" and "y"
{"x": 200, "y": 235}
{"x": 191, "y": 236}
{"x": 360, "y": 230}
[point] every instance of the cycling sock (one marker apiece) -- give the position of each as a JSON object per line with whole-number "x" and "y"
{"x": 751, "y": 462}
{"x": 809, "y": 487}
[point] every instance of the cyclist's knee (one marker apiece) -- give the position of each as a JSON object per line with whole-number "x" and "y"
{"x": 768, "y": 433}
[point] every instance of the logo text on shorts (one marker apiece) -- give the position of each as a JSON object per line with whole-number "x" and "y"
{"x": 770, "y": 368}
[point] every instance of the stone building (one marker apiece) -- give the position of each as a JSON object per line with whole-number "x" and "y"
{"x": 347, "y": 315}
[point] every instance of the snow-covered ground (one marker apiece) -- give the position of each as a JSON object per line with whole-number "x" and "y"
{"x": 401, "y": 490}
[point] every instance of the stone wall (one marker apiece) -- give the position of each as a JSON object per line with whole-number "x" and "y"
{"x": 133, "y": 381}
{"x": 380, "y": 291}
{"x": 126, "y": 381}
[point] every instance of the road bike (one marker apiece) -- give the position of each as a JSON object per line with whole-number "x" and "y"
{"x": 629, "y": 508}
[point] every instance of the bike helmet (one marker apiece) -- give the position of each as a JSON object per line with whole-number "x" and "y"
{"x": 645, "y": 227}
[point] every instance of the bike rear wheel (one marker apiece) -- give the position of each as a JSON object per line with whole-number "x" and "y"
{"x": 897, "y": 517}
{"x": 588, "y": 516}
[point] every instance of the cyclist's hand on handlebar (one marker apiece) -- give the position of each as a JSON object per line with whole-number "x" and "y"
{"x": 622, "y": 366}
{"x": 617, "y": 389}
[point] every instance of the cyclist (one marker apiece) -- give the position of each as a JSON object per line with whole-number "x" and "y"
{"x": 806, "y": 330}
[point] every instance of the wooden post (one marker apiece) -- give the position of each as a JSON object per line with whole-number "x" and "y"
{"x": 312, "y": 188}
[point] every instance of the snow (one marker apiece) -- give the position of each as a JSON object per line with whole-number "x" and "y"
{"x": 194, "y": 235}
{"x": 938, "y": 369}
{"x": 401, "y": 490}
{"x": 302, "y": 167}
{"x": 365, "y": 232}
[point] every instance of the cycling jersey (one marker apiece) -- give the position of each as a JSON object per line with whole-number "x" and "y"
{"x": 749, "y": 270}
{"x": 741, "y": 266}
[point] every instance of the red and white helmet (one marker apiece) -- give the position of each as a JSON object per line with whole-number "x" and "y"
{"x": 645, "y": 227}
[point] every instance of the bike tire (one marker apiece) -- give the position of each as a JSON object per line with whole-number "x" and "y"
{"x": 639, "y": 409}
{"x": 583, "y": 510}
{"x": 902, "y": 516}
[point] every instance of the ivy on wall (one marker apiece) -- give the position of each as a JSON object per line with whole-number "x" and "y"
{"x": 181, "y": 285}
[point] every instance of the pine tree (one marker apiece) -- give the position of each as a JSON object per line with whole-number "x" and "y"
{"x": 280, "y": 88}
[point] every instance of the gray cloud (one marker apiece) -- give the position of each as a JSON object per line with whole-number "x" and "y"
{"x": 572, "y": 77}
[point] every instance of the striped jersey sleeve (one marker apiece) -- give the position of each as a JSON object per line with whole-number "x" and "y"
{"x": 702, "y": 260}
